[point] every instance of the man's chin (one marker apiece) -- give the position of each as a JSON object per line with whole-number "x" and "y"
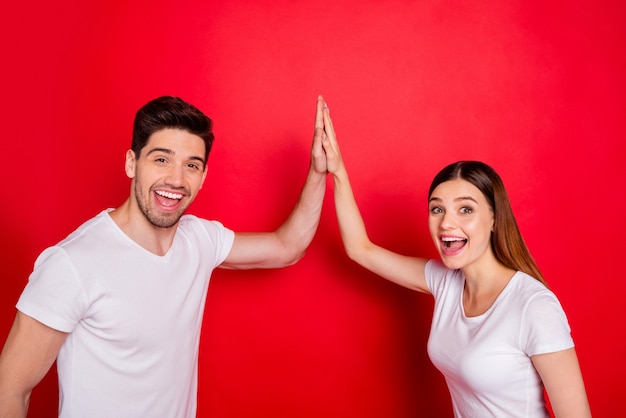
{"x": 164, "y": 221}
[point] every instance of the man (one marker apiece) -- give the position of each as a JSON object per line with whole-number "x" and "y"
{"x": 119, "y": 302}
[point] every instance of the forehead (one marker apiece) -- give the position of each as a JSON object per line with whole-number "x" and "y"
{"x": 457, "y": 189}
{"x": 178, "y": 141}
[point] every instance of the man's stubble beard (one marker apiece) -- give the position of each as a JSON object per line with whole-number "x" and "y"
{"x": 150, "y": 214}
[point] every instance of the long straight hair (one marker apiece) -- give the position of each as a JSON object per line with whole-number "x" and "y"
{"x": 507, "y": 242}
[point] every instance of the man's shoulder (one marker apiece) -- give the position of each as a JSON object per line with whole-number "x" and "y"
{"x": 92, "y": 228}
{"x": 197, "y": 229}
{"x": 189, "y": 221}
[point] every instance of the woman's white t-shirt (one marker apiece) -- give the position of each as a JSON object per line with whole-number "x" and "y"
{"x": 486, "y": 359}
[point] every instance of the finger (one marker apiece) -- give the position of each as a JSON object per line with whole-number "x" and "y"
{"x": 319, "y": 134}
{"x": 319, "y": 114}
{"x": 329, "y": 129}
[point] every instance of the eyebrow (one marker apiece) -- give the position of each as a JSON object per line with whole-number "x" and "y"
{"x": 458, "y": 199}
{"x": 170, "y": 152}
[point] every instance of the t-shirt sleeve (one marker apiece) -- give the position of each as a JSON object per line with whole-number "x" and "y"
{"x": 544, "y": 326}
{"x": 435, "y": 273}
{"x": 222, "y": 240}
{"x": 53, "y": 295}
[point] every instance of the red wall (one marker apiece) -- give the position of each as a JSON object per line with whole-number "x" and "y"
{"x": 538, "y": 91}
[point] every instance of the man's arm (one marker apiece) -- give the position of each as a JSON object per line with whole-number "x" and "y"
{"x": 28, "y": 354}
{"x": 287, "y": 244}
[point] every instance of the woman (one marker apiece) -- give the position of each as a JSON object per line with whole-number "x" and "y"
{"x": 498, "y": 333}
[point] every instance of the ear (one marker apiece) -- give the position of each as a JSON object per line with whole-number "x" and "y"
{"x": 131, "y": 163}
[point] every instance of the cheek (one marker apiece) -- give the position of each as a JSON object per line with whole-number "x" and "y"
{"x": 196, "y": 182}
{"x": 202, "y": 180}
{"x": 433, "y": 227}
{"x": 431, "y": 224}
{"x": 481, "y": 228}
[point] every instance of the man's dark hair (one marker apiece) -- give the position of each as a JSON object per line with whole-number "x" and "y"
{"x": 174, "y": 113}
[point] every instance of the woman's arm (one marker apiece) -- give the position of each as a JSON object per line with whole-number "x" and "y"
{"x": 403, "y": 270}
{"x": 561, "y": 376}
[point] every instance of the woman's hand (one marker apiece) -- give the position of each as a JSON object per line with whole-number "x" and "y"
{"x": 334, "y": 161}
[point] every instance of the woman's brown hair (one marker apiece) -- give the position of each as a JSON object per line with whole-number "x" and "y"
{"x": 507, "y": 243}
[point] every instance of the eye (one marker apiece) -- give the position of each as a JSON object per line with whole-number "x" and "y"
{"x": 436, "y": 210}
{"x": 160, "y": 160}
{"x": 193, "y": 166}
{"x": 466, "y": 210}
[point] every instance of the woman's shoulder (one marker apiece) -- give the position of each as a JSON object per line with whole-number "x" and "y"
{"x": 438, "y": 277}
{"x": 530, "y": 292}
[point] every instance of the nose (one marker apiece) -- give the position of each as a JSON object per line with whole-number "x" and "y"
{"x": 175, "y": 176}
{"x": 448, "y": 221}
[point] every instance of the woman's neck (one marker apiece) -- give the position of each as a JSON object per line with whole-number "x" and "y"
{"x": 483, "y": 284}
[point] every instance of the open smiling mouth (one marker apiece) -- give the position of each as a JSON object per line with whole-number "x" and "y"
{"x": 168, "y": 199}
{"x": 453, "y": 243}
{"x": 169, "y": 195}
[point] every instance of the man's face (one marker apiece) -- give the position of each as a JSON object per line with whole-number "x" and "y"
{"x": 168, "y": 175}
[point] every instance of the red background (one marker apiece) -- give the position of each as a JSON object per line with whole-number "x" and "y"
{"x": 535, "y": 89}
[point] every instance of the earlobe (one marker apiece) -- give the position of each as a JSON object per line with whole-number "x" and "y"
{"x": 130, "y": 164}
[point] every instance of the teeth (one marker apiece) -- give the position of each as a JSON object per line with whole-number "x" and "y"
{"x": 169, "y": 195}
{"x": 451, "y": 239}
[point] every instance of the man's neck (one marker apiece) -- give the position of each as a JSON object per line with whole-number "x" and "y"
{"x": 134, "y": 224}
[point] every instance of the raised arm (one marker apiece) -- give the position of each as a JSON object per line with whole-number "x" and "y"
{"x": 403, "y": 270}
{"x": 561, "y": 376}
{"x": 288, "y": 243}
{"x": 28, "y": 354}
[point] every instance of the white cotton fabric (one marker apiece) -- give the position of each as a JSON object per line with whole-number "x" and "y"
{"x": 486, "y": 359}
{"x": 133, "y": 317}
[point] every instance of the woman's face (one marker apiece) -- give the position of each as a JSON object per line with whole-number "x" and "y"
{"x": 460, "y": 221}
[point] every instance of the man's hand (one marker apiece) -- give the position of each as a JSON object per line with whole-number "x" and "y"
{"x": 318, "y": 156}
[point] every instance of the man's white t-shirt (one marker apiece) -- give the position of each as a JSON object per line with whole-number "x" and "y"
{"x": 133, "y": 317}
{"x": 486, "y": 359}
